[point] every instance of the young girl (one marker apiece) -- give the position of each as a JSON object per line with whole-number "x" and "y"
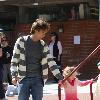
{"x": 97, "y": 92}
{"x": 70, "y": 85}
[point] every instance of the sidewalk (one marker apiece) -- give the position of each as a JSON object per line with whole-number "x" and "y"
{"x": 50, "y": 93}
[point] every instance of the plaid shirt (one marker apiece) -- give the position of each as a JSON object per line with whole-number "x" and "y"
{"x": 18, "y": 61}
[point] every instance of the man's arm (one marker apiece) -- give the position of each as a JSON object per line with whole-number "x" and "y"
{"x": 15, "y": 58}
{"x": 53, "y": 66}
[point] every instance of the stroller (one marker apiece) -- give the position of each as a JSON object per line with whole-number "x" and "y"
{"x": 77, "y": 68}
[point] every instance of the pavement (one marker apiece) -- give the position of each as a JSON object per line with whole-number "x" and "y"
{"x": 50, "y": 92}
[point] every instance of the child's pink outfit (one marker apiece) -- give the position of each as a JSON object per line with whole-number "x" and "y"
{"x": 70, "y": 88}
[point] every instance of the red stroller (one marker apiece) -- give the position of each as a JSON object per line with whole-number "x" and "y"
{"x": 77, "y": 68}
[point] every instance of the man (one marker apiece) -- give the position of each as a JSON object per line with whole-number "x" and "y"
{"x": 31, "y": 60}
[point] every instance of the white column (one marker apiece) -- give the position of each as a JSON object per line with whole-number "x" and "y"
{"x": 81, "y": 11}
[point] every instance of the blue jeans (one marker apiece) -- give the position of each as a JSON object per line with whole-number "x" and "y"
{"x": 30, "y": 85}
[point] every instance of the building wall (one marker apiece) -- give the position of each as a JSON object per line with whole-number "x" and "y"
{"x": 89, "y": 32}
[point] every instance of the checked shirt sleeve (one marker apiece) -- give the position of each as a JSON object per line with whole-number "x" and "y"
{"x": 15, "y": 59}
{"x": 53, "y": 66}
